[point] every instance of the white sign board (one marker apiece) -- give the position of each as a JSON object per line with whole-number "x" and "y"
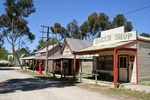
{"x": 113, "y": 31}
{"x": 115, "y": 37}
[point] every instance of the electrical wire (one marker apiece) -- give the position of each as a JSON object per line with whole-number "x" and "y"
{"x": 136, "y": 10}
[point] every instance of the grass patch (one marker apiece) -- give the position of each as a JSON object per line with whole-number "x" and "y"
{"x": 120, "y": 91}
{"x": 146, "y": 83}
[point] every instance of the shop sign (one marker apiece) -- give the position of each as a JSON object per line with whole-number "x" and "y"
{"x": 115, "y": 37}
{"x": 132, "y": 58}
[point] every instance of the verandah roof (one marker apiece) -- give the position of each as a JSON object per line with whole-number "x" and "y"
{"x": 101, "y": 47}
{"x": 69, "y": 57}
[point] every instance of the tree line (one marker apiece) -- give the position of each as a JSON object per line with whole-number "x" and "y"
{"x": 14, "y": 25}
{"x": 91, "y": 27}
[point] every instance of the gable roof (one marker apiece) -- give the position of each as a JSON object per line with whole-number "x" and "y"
{"x": 43, "y": 50}
{"x": 17, "y": 50}
{"x": 76, "y": 44}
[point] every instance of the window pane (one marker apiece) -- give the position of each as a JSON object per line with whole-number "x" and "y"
{"x": 109, "y": 63}
{"x": 105, "y": 63}
{"x": 123, "y": 62}
{"x": 101, "y": 63}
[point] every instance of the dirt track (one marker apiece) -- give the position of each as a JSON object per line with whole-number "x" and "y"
{"x": 18, "y": 86}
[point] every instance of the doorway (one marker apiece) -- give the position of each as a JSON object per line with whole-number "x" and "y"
{"x": 123, "y": 68}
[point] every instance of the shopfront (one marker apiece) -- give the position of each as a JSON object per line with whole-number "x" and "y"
{"x": 116, "y": 56}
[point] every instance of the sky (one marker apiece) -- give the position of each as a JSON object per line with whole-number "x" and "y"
{"x": 49, "y": 12}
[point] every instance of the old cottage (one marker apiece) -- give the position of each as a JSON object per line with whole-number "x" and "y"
{"x": 64, "y": 63}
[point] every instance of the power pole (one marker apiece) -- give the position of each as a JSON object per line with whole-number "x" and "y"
{"x": 46, "y": 66}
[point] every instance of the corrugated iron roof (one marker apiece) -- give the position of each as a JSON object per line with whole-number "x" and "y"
{"x": 70, "y": 57}
{"x": 143, "y": 38}
{"x": 29, "y": 57}
{"x": 44, "y": 49}
{"x": 78, "y": 44}
{"x": 105, "y": 46}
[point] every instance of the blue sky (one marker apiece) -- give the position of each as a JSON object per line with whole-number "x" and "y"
{"x": 49, "y": 12}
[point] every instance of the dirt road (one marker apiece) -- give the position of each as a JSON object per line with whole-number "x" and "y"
{"x": 18, "y": 86}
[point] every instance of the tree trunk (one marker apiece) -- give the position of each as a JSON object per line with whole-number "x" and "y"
{"x": 13, "y": 47}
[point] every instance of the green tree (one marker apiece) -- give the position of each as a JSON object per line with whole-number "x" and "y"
{"x": 10, "y": 59}
{"x": 3, "y": 53}
{"x": 104, "y": 22}
{"x": 73, "y": 30}
{"x": 1, "y": 40}
{"x": 13, "y": 22}
{"x": 145, "y": 34}
{"x": 93, "y": 21}
{"x": 94, "y": 24}
{"x": 85, "y": 28}
{"x": 120, "y": 20}
{"x": 57, "y": 29}
{"x": 50, "y": 41}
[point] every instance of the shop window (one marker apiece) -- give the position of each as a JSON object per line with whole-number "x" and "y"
{"x": 105, "y": 63}
{"x": 109, "y": 63}
{"x": 101, "y": 63}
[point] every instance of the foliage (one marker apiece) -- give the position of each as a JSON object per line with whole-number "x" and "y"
{"x": 10, "y": 59}
{"x": 50, "y": 41}
{"x": 1, "y": 40}
{"x": 95, "y": 24}
{"x": 13, "y": 23}
{"x": 3, "y": 53}
{"x": 61, "y": 31}
{"x": 73, "y": 30}
{"x": 145, "y": 34}
{"x": 120, "y": 20}
{"x": 90, "y": 28}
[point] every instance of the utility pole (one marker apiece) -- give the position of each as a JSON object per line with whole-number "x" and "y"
{"x": 46, "y": 66}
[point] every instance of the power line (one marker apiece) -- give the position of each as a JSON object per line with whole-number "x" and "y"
{"x": 136, "y": 10}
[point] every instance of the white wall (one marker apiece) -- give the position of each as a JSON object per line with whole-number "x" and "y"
{"x": 143, "y": 61}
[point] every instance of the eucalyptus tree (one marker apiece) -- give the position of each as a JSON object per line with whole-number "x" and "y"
{"x": 42, "y": 43}
{"x": 13, "y": 23}
{"x": 60, "y": 31}
{"x": 120, "y": 20}
{"x": 71, "y": 31}
{"x": 94, "y": 24}
{"x": 145, "y": 34}
{"x": 74, "y": 30}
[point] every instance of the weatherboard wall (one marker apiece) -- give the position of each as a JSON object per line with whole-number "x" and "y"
{"x": 143, "y": 61}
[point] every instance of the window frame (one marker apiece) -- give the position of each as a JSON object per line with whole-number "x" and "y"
{"x": 105, "y": 62}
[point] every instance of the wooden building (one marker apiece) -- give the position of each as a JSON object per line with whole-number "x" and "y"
{"x": 40, "y": 55}
{"x": 64, "y": 63}
{"x": 20, "y": 53}
{"x": 123, "y": 56}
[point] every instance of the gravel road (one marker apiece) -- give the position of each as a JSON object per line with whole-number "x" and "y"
{"x": 18, "y": 86}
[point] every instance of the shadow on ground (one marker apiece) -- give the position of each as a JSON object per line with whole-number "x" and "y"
{"x": 29, "y": 84}
{"x": 6, "y": 68}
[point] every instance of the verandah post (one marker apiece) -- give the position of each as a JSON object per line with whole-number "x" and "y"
{"x": 115, "y": 69}
{"x": 74, "y": 67}
{"x": 136, "y": 63}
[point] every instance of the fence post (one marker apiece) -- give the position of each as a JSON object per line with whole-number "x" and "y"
{"x": 81, "y": 77}
{"x": 96, "y": 79}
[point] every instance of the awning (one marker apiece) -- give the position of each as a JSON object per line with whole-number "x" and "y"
{"x": 69, "y": 57}
{"x": 95, "y": 48}
{"x": 40, "y": 57}
{"x": 28, "y": 58}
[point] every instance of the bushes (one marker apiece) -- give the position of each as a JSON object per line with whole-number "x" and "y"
{"x": 5, "y": 64}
